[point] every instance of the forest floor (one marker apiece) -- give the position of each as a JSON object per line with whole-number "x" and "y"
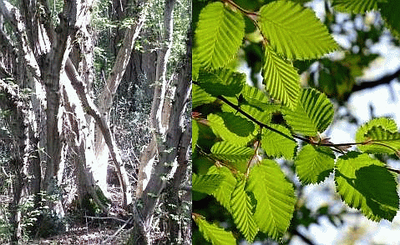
{"x": 86, "y": 235}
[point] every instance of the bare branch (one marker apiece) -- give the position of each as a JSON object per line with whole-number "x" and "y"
{"x": 92, "y": 110}
{"x": 122, "y": 60}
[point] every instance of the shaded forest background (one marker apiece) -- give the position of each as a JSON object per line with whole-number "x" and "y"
{"x": 95, "y": 102}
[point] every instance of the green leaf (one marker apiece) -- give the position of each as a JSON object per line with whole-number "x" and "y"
{"x": 218, "y": 35}
{"x": 206, "y": 183}
{"x": 389, "y": 12}
{"x": 214, "y": 234}
{"x": 242, "y": 206}
{"x": 381, "y": 135}
{"x": 313, "y": 114}
{"x": 314, "y": 164}
{"x": 275, "y": 198}
{"x": 237, "y": 156}
{"x": 281, "y": 79}
{"x": 355, "y": 6}
{"x": 295, "y": 31}
{"x": 195, "y": 134}
{"x": 223, "y": 193}
{"x": 278, "y": 144}
{"x": 200, "y": 97}
{"x": 364, "y": 183}
{"x": 235, "y": 129}
{"x": 254, "y": 102}
{"x": 221, "y": 82}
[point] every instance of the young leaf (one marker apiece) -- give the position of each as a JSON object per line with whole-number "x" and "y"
{"x": 218, "y": 35}
{"x": 200, "y": 97}
{"x": 313, "y": 114}
{"x": 364, "y": 183}
{"x": 221, "y": 82}
{"x": 206, "y": 183}
{"x": 242, "y": 206}
{"x": 238, "y": 156}
{"x": 355, "y": 6}
{"x": 381, "y": 136}
{"x": 235, "y": 129}
{"x": 314, "y": 164}
{"x": 281, "y": 79}
{"x": 275, "y": 198}
{"x": 223, "y": 193}
{"x": 278, "y": 145}
{"x": 295, "y": 31}
{"x": 214, "y": 234}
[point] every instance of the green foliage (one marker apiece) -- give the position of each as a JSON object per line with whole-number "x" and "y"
{"x": 313, "y": 114}
{"x": 281, "y": 79}
{"x": 240, "y": 130}
{"x": 220, "y": 32}
{"x": 365, "y": 183}
{"x": 294, "y": 31}
{"x": 314, "y": 164}
{"x": 214, "y": 234}
{"x": 275, "y": 198}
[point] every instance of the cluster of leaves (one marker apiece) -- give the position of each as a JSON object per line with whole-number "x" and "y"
{"x": 239, "y": 130}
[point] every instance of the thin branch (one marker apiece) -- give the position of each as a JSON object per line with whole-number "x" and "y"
{"x": 371, "y": 84}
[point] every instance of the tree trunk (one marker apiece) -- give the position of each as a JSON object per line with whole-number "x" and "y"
{"x": 171, "y": 139}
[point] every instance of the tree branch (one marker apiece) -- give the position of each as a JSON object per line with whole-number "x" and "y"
{"x": 371, "y": 84}
{"x": 92, "y": 110}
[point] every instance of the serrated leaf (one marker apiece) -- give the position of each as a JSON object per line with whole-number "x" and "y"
{"x": 295, "y": 31}
{"x": 235, "y": 129}
{"x": 206, "y": 183}
{"x": 213, "y": 233}
{"x": 242, "y": 206}
{"x": 223, "y": 193}
{"x": 314, "y": 164}
{"x": 195, "y": 134}
{"x": 278, "y": 144}
{"x": 218, "y": 35}
{"x": 281, "y": 79}
{"x": 253, "y": 102}
{"x": 200, "y": 97}
{"x": 313, "y": 114}
{"x": 382, "y": 135}
{"x": 364, "y": 183}
{"x": 237, "y": 156}
{"x": 221, "y": 82}
{"x": 275, "y": 198}
{"x": 355, "y": 6}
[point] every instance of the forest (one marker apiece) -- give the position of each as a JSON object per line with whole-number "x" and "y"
{"x": 292, "y": 142}
{"x": 95, "y": 101}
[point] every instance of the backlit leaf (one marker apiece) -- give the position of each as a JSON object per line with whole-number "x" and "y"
{"x": 364, "y": 183}
{"x": 237, "y": 156}
{"x": 278, "y": 144}
{"x": 314, "y": 164}
{"x": 281, "y": 79}
{"x": 206, "y": 183}
{"x": 295, "y": 31}
{"x": 223, "y": 193}
{"x": 221, "y": 82}
{"x": 235, "y": 129}
{"x": 313, "y": 114}
{"x": 242, "y": 206}
{"x": 381, "y": 136}
{"x": 213, "y": 233}
{"x": 218, "y": 35}
{"x": 275, "y": 198}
